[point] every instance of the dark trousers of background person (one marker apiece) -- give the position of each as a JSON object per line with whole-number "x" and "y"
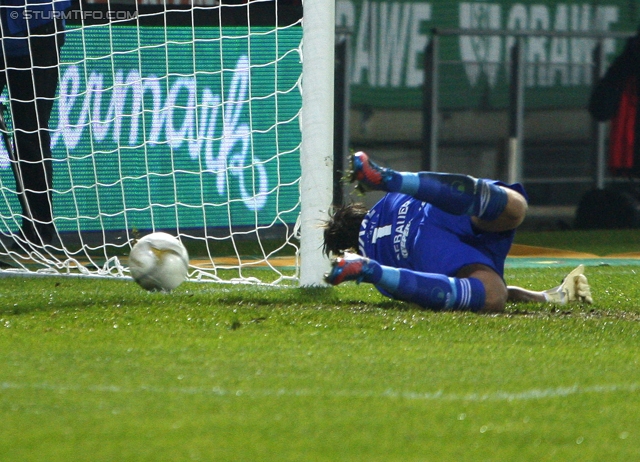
{"x": 32, "y": 81}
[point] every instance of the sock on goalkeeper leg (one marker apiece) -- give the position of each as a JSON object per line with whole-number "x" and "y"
{"x": 434, "y": 291}
{"x": 453, "y": 193}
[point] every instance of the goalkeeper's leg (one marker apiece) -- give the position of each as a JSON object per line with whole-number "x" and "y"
{"x": 478, "y": 288}
{"x": 494, "y": 207}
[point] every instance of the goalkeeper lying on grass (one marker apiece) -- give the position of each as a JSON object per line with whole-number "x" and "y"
{"x": 438, "y": 240}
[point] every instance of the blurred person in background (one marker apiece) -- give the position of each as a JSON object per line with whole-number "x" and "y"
{"x": 615, "y": 98}
{"x": 32, "y": 34}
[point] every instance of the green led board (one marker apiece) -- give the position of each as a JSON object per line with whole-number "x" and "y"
{"x": 389, "y": 37}
{"x": 179, "y": 127}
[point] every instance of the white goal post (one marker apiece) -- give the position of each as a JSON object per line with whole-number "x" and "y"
{"x": 317, "y": 133}
{"x": 206, "y": 121}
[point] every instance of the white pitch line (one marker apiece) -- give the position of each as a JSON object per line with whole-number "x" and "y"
{"x": 532, "y": 394}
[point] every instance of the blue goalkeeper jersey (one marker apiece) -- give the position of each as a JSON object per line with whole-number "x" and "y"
{"x": 403, "y": 232}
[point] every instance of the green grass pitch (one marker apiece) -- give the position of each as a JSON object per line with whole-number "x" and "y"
{"x": 94, "y": 370}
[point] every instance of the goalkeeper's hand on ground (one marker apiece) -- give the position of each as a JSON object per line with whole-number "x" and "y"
{"x": 574, "y": 288}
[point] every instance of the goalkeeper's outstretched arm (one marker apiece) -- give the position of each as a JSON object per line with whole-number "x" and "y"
{"x": 574, "y": 288}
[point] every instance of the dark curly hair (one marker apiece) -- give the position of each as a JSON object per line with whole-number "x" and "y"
{"x": 342, "y": 228}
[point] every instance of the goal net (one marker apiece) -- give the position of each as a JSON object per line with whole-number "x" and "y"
{"x": 184, "y": 118}
{"x": 178, "y": 118}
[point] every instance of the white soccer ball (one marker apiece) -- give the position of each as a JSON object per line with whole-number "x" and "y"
{"x": 159, "y": 262}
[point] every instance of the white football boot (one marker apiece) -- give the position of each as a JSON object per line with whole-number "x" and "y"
{"x": 574, "y": 288}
